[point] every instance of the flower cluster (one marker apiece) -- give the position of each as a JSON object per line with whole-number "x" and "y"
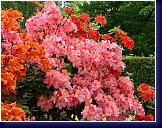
{"x": 92, "y": 112}
{"x": 101, "y": 19}
{"x": 57, "y": 79}
{"x": 126, "y": 40}
{"x": 106, "y": 37}
{"x": 108, "y": 105}
{"x": 12, "y": 112}
{"x": 13, "y": 65}
{"x": 147, "y": 117}
{"x": 9, "y": 20}
{"x": 85, "y": 17}
{"x": 48, "y": 22}
{"x": 10, "y": 28}
{"x": 45, "y": 104}
{"x": 146, "y": 92}
{"x": 65, "y": 98}
{"x": 84, "y": 28}
{"x": 12, "y": 69}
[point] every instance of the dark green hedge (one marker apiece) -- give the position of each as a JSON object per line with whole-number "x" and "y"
{"x": 140, "y": 69}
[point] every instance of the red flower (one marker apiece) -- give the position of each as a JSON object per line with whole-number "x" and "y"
{"x": 101, "y": 19}
{"x": 146, "y": 92}
{"x": 115, "y": 72}
{"x": 144, "y": 86}
{"x": 149, "y": 117}
{"x": 85, "y": 17}
{"x": 128, "y": 42}
{"x": 94, "y": 35}
{"x": 120, "y": 33}
{"x": 106, "y": 37}
{"x": 68, "y": 10}
{"x": 140, "y": 118}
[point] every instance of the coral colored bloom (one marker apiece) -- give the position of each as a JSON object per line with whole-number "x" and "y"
{"x": 44, "y": 104}
{"x": 92, "y": 112}
{"x": 57, "y": 79}
{"x": 101, "y": 19}
{"x": 125, "y": 85}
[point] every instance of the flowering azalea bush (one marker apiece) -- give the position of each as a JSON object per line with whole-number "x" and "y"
{"x": 147, "y": 95}
{"x": 61, "y": 67}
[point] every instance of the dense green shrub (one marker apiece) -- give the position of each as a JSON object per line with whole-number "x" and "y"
{"x": 140, "y": 69}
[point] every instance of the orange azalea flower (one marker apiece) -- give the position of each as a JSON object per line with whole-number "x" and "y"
{"x": 9, "y": 19}
{"x": 5, "y": 59}
{"x": 16, "y": 68}
{"x": 45, "y": 64}
{"x": 14, "y": 65}
{"x": 10, "y": 13}
{"x": 24, "y": 37}
{"x": 12, "y": 112}
{"x": 8, "y": 82}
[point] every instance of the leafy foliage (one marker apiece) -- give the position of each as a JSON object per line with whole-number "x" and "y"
{"x": 142, "y": 69}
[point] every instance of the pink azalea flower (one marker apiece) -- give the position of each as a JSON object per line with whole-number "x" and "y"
{"x": 44, "y": 104}
{"x": 92, "y": 112}
{"x": 57, "y": 79}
